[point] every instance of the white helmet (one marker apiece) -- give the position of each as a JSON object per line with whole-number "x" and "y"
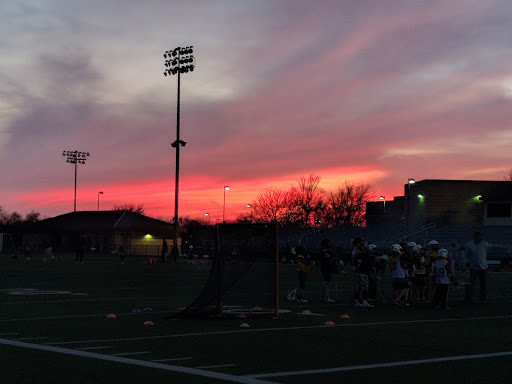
{"x": 411, "y": 244}
{"x": 442, "y": 253}
{"x": 396, "y": 248}
{"x": 433, "y": 242}
{"x": 416, "y": 248}
{"x": 371, "y": 247}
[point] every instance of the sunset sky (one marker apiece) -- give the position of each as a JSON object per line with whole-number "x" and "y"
{"x": 360, "y": 90}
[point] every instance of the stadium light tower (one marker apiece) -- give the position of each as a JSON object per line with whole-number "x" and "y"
{"x": 75, "y": 157}
{"x": 99, "y": 193}
{"x": 178, "y": 61}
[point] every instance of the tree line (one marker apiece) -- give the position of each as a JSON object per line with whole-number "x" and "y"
{"x": 308, "y": 205}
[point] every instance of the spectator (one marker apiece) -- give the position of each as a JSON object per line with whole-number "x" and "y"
{"x": 476, "y": 255}
{"x": 328, "y": 267}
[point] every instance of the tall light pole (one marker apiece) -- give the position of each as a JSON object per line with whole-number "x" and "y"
{"x": 99, "y": 193}
{"x": 250, "y": 207}
{"x": 75, "y": 157}
{"x": 178, "y": 61}
{"x": 226, "y": 188}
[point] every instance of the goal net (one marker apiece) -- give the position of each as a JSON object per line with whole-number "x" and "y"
{"x": 244, "y": 275}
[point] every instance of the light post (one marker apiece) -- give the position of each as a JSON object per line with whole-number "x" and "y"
{"x": 75, "y": 157}
{"x": 250, "y": 207}
{"x": 383, "y": 198}
{"x": 207, "y": 217}
{"x": 99, "y": 193}
{"x": 178, "y": 61}
{"x": 410, "y": 181}
{"x": 226, "y": 188}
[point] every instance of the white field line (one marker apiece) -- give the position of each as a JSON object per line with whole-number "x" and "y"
{"x": 31, "y": 338}
{"x": 216, "y": 366}
{"x": 140, "y": 363}
{"x": 80, "y": 316}
{"x": 123, "y": 298}
{"x": 252, "y": 330}
{"x": 131, "y": 353}
{"x": 98, "y": 347}
{"x": 174, "y": 359}
{"x": 381, "y": 365}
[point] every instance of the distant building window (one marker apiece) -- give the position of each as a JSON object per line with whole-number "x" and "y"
{"x": 498, "y": 210}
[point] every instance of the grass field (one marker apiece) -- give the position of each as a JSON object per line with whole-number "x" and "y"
{"x": 53, "y": 329}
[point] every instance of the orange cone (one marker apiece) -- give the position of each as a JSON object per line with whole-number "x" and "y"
{"x": 149, "y": 322}
{"x": 244, "y": 325}
{"x": 256, "y": 309}
{"x": 111, "y": 316}
{"x": 306, "y": 312}
{"x": 330, "y": 323}
{"x": 242, "y": 316}
{"x": 344, "y": 317}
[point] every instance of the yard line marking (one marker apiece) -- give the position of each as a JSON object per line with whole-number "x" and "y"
{"x": 174, "y": 359}
{"x": 140, "y": 363}
{"x": 31, "y": 338}
{"x": 381, "y": 365}
{"x": 252, "y": 330}
{"x": 216, "y": 366}
{"x": 75, "y": 316}
{"x": 131, "y": 353}
{"x": 99, "y": 347}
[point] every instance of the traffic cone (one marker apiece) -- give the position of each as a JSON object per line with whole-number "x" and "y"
{"x": 344, "y": 317}
{"x": 111, "y": 316}
{"x": 136, "y": 310}
{"x": 147, "y": 309}
{"x": 330, "y": 323}
{"x": 149, "y": 322}
{"x": 306, "y": 312}
{"x": 242, "y": 316}
{"x": 256, "y": 309}
{"x": 244, "y": 325}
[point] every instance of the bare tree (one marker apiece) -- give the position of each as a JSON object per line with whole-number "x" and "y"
{"x": 347, "y": 206}
{"x": 139, "y": 208}
{"x": 270, "y": 205}
{"x": 306, "y": 200}
{"x": 32, "y": 217}
{"x": 509, "y": 176}
{"x": 13, "y": 219}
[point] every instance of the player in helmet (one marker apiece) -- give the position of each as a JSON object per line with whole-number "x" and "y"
{"x": 443, "y": 278}
{"x": 400, "y": 274}
{"x": 419, "y": 272}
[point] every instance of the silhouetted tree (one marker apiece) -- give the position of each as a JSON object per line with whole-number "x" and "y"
{"x": 509, "y": 176}
{"x": 13, "y": 219}
{"x": 139, "y": 208}
{"x": 32, "y": 217}
{"x": 306, "y": 200}
{"x": 347, "y": 206}
{"x": 270, "y": 205}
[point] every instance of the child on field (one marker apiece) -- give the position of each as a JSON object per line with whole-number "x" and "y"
{"x": 443, "y": 278}
{"x": 304, "y": 266}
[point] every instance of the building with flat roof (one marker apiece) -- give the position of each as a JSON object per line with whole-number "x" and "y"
{"x": 467, "y": 203}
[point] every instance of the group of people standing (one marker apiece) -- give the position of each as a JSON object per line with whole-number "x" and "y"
{"x": 419, "y": 274}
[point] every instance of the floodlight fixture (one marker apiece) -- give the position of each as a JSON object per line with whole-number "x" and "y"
{"x": 75, "y": 157}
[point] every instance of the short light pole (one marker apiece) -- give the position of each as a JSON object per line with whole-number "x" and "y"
{"x": 250, "y": 207}
{"x": 383, "y": 198}
{"x": 99, "y": 193}
{"x": 410, "y": 181}
{"x": 226, "y": 188}
{"x": 75, "y": 157}
{"x": 178, "y": 61}
{"x": 207, "y": 217}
